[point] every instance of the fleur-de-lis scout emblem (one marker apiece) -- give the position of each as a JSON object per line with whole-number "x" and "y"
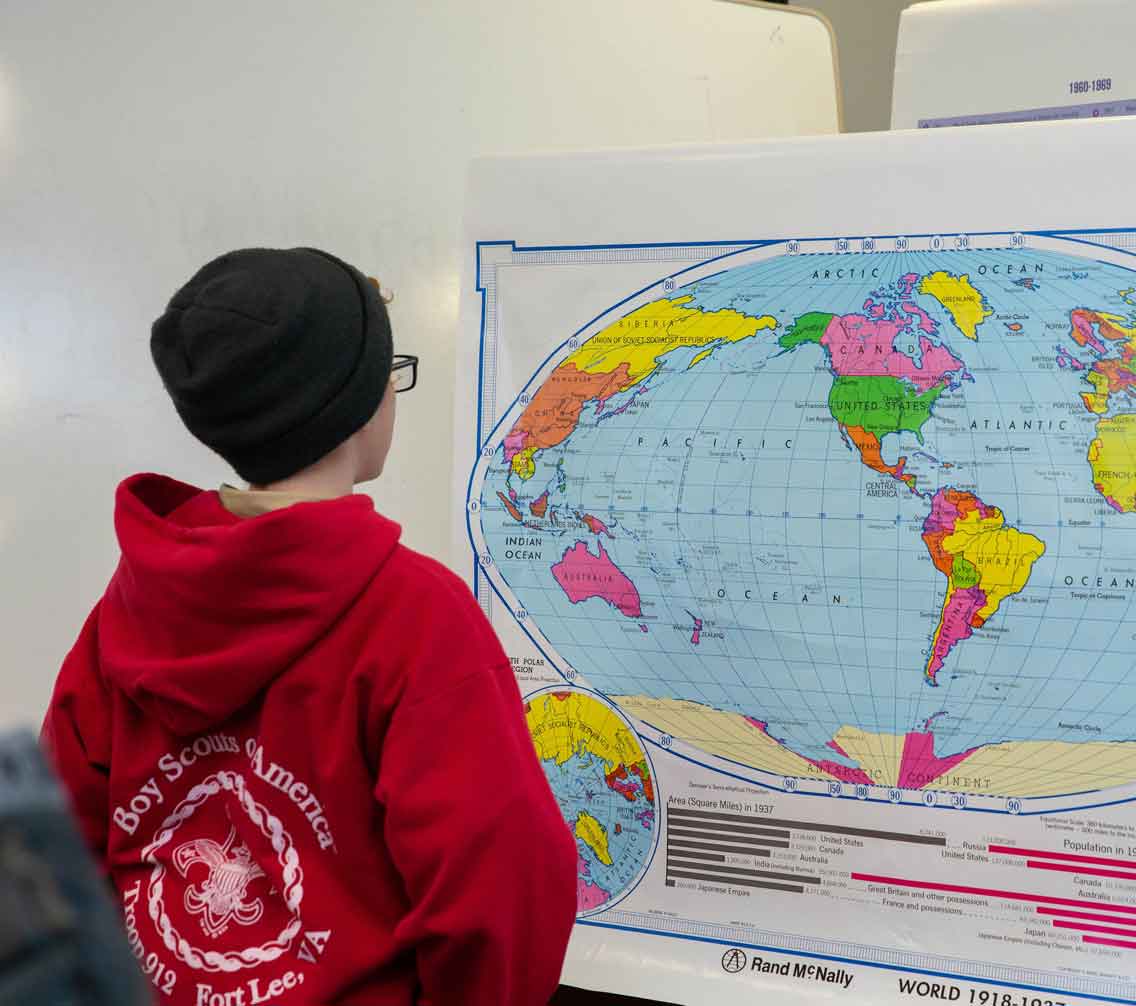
{"x": 221, "y": 897}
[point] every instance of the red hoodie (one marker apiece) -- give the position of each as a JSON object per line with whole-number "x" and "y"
{"x": 301, "y": 753}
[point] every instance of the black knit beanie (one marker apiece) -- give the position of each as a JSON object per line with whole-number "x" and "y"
{"x": 274, "y": 357}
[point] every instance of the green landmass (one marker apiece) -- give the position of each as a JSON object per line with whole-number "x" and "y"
{"x": 881, "y": 405}
{"x": 807, "y": 328}
{"x": 964, "y": 573}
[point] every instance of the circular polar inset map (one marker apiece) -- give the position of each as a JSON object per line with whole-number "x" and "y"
{"x": 601, "y": 778}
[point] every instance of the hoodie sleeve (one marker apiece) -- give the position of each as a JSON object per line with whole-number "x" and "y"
{"x": 76, "y": 736}
{"x": 488, "y": 862}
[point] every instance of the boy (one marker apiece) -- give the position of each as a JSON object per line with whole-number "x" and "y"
{"x": 296, "y": 744}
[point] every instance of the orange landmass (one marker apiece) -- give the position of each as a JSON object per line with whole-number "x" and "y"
{"x": 539, "y": 506}
{"x": 595, "y": 525}
{"x": 964, "y": 502}
{"x": 617, "y": 781}
{"x": 555, "y": 409}
{"x": 868, "y": 444}
{"x": 1118, "y": 374}
{"x": 645, "y": 776}
{"x": 1083, "y": 322}
{"x": 1110, "y": 331}
{"x": 511, "y": 507}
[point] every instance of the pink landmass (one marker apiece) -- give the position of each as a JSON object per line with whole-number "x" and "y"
{"x": 931, "y": 719}
{"x": 513, "y": 494}
{"x": 515, "y": 443}
{"x": 874, "y": 310}
{"x": 926, "y": 322}
{"x": 600, "y": 403}
{"x": 642, "y": 627}
{"x": 837, "y": 748}
{"x": 906, "y": 283}
{"x": 956, "y": 625}
{"x": 646, "y": 818}
{"x": 944, "y": 512}
{"x": 1083, "y": 332}
{"x": 582, "y": 575}
{"x": 696, "y": 636}
{"x": 864, "y": 347}
{"x": 589, "y": 894}
{"x": 919, "y": 766}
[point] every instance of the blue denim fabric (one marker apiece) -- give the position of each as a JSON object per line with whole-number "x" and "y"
{"x": 61, "y": 938}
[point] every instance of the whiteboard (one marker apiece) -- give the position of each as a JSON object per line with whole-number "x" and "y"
{"x": 618, "y": 548}
{"x": 139, "y": 140}
{"x": 1027, "y": 60}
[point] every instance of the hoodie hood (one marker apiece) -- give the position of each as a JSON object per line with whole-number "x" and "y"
{"x": 206, "y": 609}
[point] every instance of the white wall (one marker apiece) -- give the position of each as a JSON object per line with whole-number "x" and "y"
{"x": 1022, "y": 56}
{"x": 137, "y": 140}
{"x": 865, "y": 35}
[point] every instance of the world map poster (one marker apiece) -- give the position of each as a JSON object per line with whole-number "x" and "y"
{"x": 816, "y": 559}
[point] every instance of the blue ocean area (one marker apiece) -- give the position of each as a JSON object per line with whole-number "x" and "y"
{"x": 628, "y": 826}
{"x": 730, "y": 495}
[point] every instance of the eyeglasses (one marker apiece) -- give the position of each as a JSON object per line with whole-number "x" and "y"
{"x": 404, "y": 373}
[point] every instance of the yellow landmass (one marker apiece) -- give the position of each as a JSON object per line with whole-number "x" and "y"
{"x": 523, "y": 464}
{"x": 1041, "y": 768}
{"x": 593, "y": 835}
{"x": 879, "y": 755}
{"x": 1096, "y": 401}
{"x": 640, "y": 338}
{"x": 1014, "y": 768}
{"x": 961, "y": 300}
{"x": 1112, "y": 456}
{"x": 728, "y": 735}
{"x": 564, "y": 724}
{"x": 1003, "y": 556}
